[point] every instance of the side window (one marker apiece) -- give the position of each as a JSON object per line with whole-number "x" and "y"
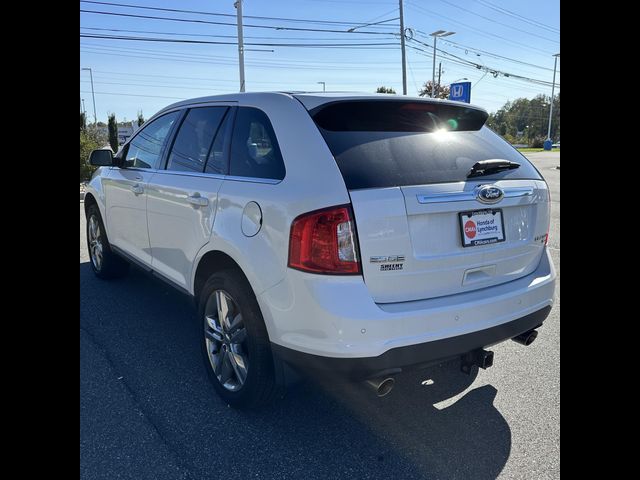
{"x": 145, "y": 149}
{"x": 254, "y": 149}
{"x": 194, "y": 139}
{"x": 217, "y": 161}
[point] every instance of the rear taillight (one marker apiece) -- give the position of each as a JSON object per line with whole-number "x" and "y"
{"x": 324, "y": 241}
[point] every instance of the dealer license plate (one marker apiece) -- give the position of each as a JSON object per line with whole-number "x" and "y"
{"x": 481, "y": 227}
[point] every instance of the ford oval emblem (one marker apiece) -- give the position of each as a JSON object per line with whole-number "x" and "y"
{"x": 490, "y": 194}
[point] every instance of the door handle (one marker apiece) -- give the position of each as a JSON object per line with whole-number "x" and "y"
{"x": 197, "y": 200}
{"x": 137, "y": 189}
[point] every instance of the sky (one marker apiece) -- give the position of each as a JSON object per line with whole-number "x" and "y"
{"x": 504, "y": 48}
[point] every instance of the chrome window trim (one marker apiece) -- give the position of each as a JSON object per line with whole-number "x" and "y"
{"x": 509, "y": 192}
{"x": 211, "y": 103}
{"x": 136, "y": 169}
{"x": 269, "y": 181}
{"x": 191, "y": 174}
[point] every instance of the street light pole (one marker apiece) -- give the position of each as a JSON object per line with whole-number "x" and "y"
{"x": 435, "y": 35}
{"x": 323, "y": 86}
{"x": 84, "y": 110}
{"x": 553, "y": 86}
{"x": 93, "y": 95}
{"x": 238, "y": 5}
{"x": 404, "y": 66}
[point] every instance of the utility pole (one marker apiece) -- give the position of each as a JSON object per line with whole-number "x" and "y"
{"x": 238, "y": 5}
{"x": 404, "y": 66}
{"x": 553, "y": 86}
{"x": 439, "y": 74}
{"x": 433, "y": 76}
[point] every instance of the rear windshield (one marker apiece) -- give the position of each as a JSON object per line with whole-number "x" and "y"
{"x": 395, "y": 143}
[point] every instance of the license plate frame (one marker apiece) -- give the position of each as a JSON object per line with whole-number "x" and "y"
{"x": 483, "y": 215}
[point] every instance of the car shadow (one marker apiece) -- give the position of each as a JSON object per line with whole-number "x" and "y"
{"x": 319, "y": 429}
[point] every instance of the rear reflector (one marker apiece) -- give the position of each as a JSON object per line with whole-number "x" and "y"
{"x": 546, "y": 237}
{"x": 324, "y": 241}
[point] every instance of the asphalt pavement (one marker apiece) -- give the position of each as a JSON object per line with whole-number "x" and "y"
{"x": 147, "y": 410}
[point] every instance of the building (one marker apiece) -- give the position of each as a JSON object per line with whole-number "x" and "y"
{"x": 125, "y": 130}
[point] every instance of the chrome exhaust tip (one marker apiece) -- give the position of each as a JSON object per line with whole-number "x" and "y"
{"x": 382, "y": 386}
{"x": 526, "y": 338}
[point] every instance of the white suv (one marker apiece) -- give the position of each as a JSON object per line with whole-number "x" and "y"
{"x": 359, "y": 235}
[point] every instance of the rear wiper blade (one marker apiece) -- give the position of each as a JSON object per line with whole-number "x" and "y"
{"x": 486, "y": 167}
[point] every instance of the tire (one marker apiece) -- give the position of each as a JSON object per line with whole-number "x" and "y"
{"x": 239, "y": 363}
{"x": 104, "y": 262}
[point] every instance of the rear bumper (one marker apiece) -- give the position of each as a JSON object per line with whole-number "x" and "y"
{"x": 336, "y": 317}
{"x": 411, "y": 356}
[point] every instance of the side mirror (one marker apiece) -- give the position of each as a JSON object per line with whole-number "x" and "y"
{"x": 101, "y": 158}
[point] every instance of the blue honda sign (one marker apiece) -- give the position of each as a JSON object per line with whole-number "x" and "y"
{"x": 460, "y": 92}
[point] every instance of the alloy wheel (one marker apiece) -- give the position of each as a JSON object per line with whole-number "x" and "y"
{"x": 225, "y": 338}
{"x": 95, "y": 242}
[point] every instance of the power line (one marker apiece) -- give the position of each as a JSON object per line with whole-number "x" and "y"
{"x": 207, "y": 42}
{"x": 463, "y": 69}
{"x": 415, "y": 84}
{"x": 393, "y": 10}
{"x": 267, "y": 64}
{"x": 499, "y": 23}
{"x": 509, "y": 13}
{"x": 214, "y": 14}
{"x": 133, "y": 95}
{"x": 477, "y": 30}
{"x": 483, "y": 67}
{"x": 209, "y": 22}
{"x": 188, "y": 60}
{"x": 472, "y": 49}
{"x": 182, "y": 87}
{"x": 460, "y": 46}
{"x": 480, "y": 66}
{"x": 212, "y": 86}
{"x": 265, "y": 61}
{"x": 182, "y": 81}
{"x": 491, "y": 54}
{"x": 203, "y": 34}
{"x": 365, "y": 2}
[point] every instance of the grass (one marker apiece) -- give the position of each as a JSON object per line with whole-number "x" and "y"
{"x": 532, "y": 150}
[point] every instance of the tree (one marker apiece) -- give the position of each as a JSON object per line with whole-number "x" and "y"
{"x": 140, "y": 118}
{"x": 527, "y": 119}
{"x": 83, "y": 121}
{"x": 384, "y": 89}
{"x": 90, "y": 139}
{"x": 441, "y": 91}
{"x": 113, "y": 132}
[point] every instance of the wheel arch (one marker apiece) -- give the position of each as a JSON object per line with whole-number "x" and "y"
{"x": 89, "y": 200}
{"x": 214, "y": 261}
{"x": 95, "y": 196}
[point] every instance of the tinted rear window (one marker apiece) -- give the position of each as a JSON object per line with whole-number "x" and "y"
{"x": 394, "y": 143}
{"x": 193, "y": 141}
{"x": 254, "y": 149}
